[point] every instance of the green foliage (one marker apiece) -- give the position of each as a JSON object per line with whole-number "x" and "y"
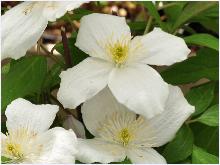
{"x": 180, "y": 147}
{"x": 201, "y": 97}
{"x": 203, "y": 65}
{"x": 191, "y": 10}
{"x": 52, "y": 78}
{"x": 200, "y": 156}
{"x": 203, "y": 40}
{"x": 210, "y": 117}
{"x": 25, "y": 77}
{"x": 209, "y": 140}
{"x": 154, "y": 13}
{"x": 5, "y": 160}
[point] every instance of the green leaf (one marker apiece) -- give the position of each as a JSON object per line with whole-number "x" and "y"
{"x": 180, "y": 147}
{"x": 190, "y": 10}
{"x": 207, "y": 137}
{"x": 137, "y": 26}
{"x": 52, "y": 78}
{"x": 200, "y": 156}
{"x": 5, "y": 160}
{"x": 154, "y": 13}
{"x": 203, "y": 65}
{"x": 209, "y": 18}
{"x": 201, "y": 97}
{"x": 172, "y": 12}
{"x": 203, "y": 40}
{"x": 25, "y": 77}
{"x": 210, "y": 117}
{"x": 5, "y": 69}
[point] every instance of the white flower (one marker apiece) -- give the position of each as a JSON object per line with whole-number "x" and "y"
{"x": 28, "y": 139}
{"x": 120, "y": 133}
{"x": 24, "y": 24}
{"x": 119, "y": 61}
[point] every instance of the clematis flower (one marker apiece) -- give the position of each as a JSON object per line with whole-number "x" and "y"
{"x": 120, "y": 133}
{"x": 28, "y": 139}
{"x": 120, "y": 62}
{"x": 24, "y": 24}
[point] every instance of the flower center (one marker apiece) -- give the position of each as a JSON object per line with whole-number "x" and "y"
{"x": 17, "y": 145}
{"x": 121, "y": 128}
{"x": 125, "y": 136}
{"x": 119, "y": 53}
{"x": 118, "y": 49}
{"x": 14, "y": 150}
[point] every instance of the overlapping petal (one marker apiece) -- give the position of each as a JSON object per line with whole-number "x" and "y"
{"x": 158, "y": 48}
{"x": 95, "y": 150}
{"x": 83, "y": 81}
{"x": 104, "y": 105}
{"x": 162, "y": 128}
{"x": 58, "y": 146}
{"x": 23, "y": 114}
{"x": 97, "y": 30}
{"x": 140, "y": 88}
{"x": 145, "y": 156}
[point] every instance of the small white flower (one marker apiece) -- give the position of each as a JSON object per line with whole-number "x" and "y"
{"x": 120, "y": 133}
{"x": 119, "y": 62}
{"x": 28, "y": 139}
{"x": 24, "y": 24}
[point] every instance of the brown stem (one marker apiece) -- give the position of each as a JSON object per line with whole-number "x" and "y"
{"x": 67, "y": 54}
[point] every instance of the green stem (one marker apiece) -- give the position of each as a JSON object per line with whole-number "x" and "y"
{"x": 148, "y": 25}
{"x": 191, "y": 121}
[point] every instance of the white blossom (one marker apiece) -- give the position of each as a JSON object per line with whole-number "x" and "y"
{"x": 120, "y": 62}
{"x": 23, "y": 25}
{"x": 120, "y": 133}
{"x": 28, "y": 139}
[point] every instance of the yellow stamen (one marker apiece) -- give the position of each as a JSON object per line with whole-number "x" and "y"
{"x": 125, "y": 136}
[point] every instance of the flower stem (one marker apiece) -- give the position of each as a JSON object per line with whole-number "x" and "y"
{"x": 148, "y": 25}
{"x": 191, "y": 121}
{"x": 67, "y": 54}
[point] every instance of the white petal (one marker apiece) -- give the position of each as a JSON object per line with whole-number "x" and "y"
{"x": 22, "y": 26}
{"x": 94, "y": 150}
{"x": 145, "y": 156}
{"x": 163, "y": 127}
{"x": 158, "y": 48}
{"x": 83, "y": 81}
{"x": 23, "y": 114}
{"x": 58, "y": 146}
{"x": 140, "y": 88}
{"x": 96, "y": 30}
{"x": 71, "y": 123}
{"x": 104, "y": 104}
{"x": 54, "y": 10}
